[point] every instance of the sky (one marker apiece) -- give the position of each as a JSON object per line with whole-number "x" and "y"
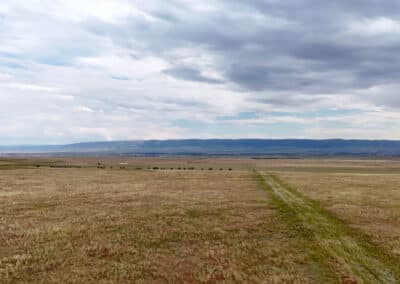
{"x": 94, "y": 70}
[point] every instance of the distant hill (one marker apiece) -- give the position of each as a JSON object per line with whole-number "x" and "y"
{"x": 254, "y": 147}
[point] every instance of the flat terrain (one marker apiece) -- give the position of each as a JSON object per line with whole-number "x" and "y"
{"x": 179, "y": 220}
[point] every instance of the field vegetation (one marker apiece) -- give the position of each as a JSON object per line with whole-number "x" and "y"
{"x": 199, "y": 220}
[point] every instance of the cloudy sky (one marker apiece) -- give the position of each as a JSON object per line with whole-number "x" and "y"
{"x": 84, "y": 70}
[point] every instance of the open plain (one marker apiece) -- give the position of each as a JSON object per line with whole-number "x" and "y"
{"x": 201, "y": 220}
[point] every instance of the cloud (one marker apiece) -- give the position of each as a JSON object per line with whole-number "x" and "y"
{"x": 260, "y": 46}
{"x": 75, "y": 70}
{"x": 191, "y": 74}
{"x": 375, "y": 27}
{"x": 121, "y": 78}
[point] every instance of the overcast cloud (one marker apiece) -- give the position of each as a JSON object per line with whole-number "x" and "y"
{"x": 81, "y": 70}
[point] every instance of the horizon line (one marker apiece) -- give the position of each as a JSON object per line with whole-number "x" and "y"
{"x": 202, "y": 139}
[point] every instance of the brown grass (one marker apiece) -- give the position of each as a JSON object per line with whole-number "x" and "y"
{"x": 93, "y": 225}
{"x": 370, "y": 202}
{"x": 346, "y": 251}
{"x": 89, "y": 225}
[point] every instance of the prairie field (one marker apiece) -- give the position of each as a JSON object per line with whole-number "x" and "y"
{"x": 199, "y": 220}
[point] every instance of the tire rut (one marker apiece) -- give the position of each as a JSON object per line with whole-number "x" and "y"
{"x": 351, "y": 257}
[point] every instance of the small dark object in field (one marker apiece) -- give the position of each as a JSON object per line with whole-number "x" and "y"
{"x": 202, "y": 169}
{"x": 179, "y": 168}
{"x": 230, "y": 169}
{"x": 210, "y": 169}
{"x": 155, "y": 168}
{"x": 38, "y": 166}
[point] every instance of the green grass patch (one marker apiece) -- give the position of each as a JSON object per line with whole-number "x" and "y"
{"x": 345, "y": 250}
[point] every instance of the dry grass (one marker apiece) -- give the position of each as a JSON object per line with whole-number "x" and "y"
{"x": 89, "y": 225}
{"x": 346, "y": 251}
{"x": 369, "y": 202}
{"x": 92, "y": 225}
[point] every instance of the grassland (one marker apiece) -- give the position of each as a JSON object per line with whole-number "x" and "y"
{"x": 368, "y": 202}
{"x": 345, "y": 250}
{"x": 164, "y": 220}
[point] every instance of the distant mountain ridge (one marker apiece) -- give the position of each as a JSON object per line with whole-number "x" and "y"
{"x": 277, "y": 147}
